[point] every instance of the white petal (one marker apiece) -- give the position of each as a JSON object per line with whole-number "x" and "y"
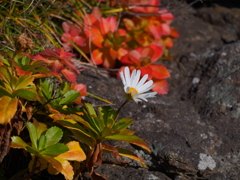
{"x": 147, "y": 89}
{"x": 133, "y": 77}
{"x": 122, "y": 78}
{"x": 137, "y": 100}
{"x": 127, "y": 76}
{"x": 142, "y": 81}
{"x": 145, "y": 86}
{"x": 147, "y": 95}
{"x": 136, "y": 79}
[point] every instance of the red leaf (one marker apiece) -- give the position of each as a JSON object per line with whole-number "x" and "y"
{"x": 160, "y": 72}
{"x": 158, "y": 51}
{"x": 69, "y": 75}
{"x": 165, "y": 15}
{"x": 161, "y": 87}
{"x": 66, "y": 26}
{"x": 146, "y": 70}
{"x": 57, "y": 66}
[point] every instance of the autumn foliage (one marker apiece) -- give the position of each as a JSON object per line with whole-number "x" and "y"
{"x": 41, "y": 102}
{"x": 133, "y": 39}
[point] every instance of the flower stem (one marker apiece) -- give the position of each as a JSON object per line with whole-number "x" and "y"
{"x": 119, "y": 109}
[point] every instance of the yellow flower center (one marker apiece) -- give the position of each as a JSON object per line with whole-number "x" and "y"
{"x": 132, "y": 91}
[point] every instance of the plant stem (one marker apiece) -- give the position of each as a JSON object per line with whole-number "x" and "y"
{"x": 119, "y": 109}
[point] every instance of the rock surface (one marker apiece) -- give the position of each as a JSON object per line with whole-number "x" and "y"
{"x": 194, "y": 130}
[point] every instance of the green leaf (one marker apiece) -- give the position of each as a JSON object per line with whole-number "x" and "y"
{"x": 123, "y": 123}
{"x": 42, "y": 142}
{"x": 131, "y": 139}
{"x": 80, "y": 133}
{"x": 107, "y": 114}
{"x": 17, "y": 142}
{"x": 32, "y": 151}
{"x": 33, "y": 134}
{"x": 90, "y": 116}
{"x": 5, "y": 61}
{"x": 53, "y": 135}
{"x": 55, "y": 149}
{"x": 5, "y": 75}
{"x": 5, "y": 92}
{"x": 29, "y": 94}
{"x": 46, "y": 89}
{"x": 25, "y": 60}
{"x": 24, "y": 81}
{"x": 33, "y": 66}
{"x": 69, "y": 97}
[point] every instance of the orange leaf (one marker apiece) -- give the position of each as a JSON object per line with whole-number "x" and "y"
{"x": 159, "y": 72}
{"x": 75, "y": 152}
{"x": 97, "y": 57}
{"x": 161, "y": 86}
{"x": 61, "y": 165}
{"x": 8, "y": 108}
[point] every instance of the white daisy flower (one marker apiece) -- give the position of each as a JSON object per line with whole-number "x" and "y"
{"x": 136, "y": 88}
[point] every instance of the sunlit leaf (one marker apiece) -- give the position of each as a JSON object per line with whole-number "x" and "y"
{"x": 75, "y": 152}
{"x": 17, "y": 142}
{"x": 24, "y": 81}
{"x": 129, "y": 154}
{"x": 8, "y": 108}
{"x": 62, "y": 166}
{"x": 40, "y": 127}
{"x": 131, "y": 139}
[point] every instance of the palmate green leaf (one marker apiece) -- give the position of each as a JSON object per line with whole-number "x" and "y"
{"x": 53, "y": 135}
{"x": 123, "y": 123}
{"x": 42, "y": 142}
{"x": 131, "y": 139}
{"x": 69, "y": 97}
{"x": 33, "y": 134}
{"x": 55, "y": 149}
{"x": 40, "y": 127}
